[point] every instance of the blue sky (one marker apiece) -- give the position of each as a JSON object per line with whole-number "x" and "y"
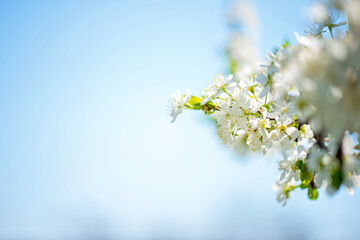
{"x": 88, "y": 152}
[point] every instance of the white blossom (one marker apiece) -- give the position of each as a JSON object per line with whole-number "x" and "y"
{"x": 177, "y": 103}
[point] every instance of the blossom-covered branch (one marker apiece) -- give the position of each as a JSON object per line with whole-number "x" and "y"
{"x": 303, "y": 101}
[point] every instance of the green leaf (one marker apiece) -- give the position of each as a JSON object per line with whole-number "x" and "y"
{"x": 312, "y": 193}
{"x": 336, "y": 179}
{"x": 305, "y": 174}
{"x": 194, "y": 101}
{"x": 299, "y": 164}
{"x": 286, "y": 43}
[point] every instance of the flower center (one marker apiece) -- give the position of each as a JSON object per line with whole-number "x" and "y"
{"x": 282, "y": 129}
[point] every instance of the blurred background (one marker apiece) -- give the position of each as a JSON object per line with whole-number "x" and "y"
{"x": 87, "y": 150}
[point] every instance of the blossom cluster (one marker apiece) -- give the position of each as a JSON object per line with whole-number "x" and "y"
{"x": 302, "y": 101}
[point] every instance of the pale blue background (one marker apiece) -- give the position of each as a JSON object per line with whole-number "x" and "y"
{"x": 87, "y": 151}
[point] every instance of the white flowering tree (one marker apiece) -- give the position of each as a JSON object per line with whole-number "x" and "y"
{"x": 303, "y": 101}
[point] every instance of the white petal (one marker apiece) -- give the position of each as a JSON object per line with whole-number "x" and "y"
{"x": 265, "y": 91}
{"x": 350, "y": 191}
{"x": 261, "y": 78}
{"x": 293, "y": 132}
